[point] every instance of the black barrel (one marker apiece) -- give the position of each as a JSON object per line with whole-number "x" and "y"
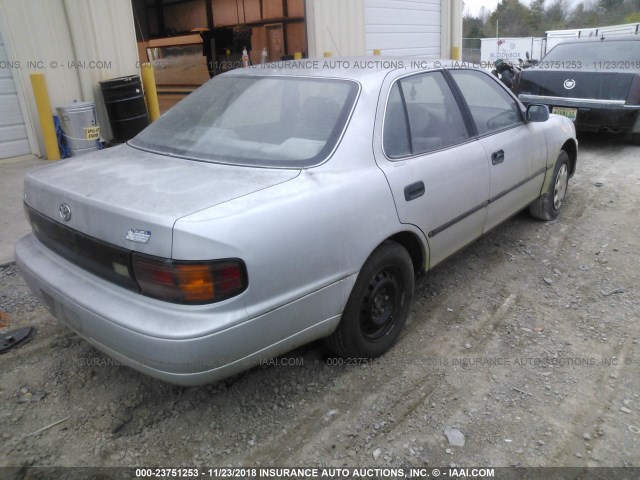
{"x": 125, "y": 105}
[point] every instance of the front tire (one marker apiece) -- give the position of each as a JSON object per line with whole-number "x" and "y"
{"x": 549, "y": 204}
{"x": 378, "y": 306}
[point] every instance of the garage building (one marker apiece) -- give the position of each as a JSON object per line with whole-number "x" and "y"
{"x": 77, "y": 43}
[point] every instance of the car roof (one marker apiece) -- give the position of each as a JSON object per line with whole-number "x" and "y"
{"x": 360, "y": 69}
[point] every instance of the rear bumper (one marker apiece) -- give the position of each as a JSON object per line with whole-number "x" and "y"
{"x": 594, "y": 115}
{"x": 204, "y": 345}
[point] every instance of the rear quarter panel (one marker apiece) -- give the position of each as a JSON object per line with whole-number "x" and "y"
{"x": 295, "y": 238}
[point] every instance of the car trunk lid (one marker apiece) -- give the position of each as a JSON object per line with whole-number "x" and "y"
{"x": 608, "y": 86}
{"x": 131, "y": 199}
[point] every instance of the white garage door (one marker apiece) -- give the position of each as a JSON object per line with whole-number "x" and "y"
{"x": 13, "y": 134}
{"x": 403, "y": 27}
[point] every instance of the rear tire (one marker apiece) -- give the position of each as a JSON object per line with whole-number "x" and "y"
{"x": 378, "y": 306}
{"x": 635, "y": 138}
{"x": 549, "y": 204}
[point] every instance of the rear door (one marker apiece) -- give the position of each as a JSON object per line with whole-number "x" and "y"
{"x": 438, "y": 174}
{"x": 516, "y": 151}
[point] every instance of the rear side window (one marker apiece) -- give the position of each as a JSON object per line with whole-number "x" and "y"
{"x": 422, "y": 116}
{"x": 396, "y": 128}
{"x": 491, "y": 107}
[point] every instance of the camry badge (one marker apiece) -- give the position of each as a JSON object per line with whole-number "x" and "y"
{"x": 569, "y": 83}
{"x": 65, "y": 212}
{"x": 139, "y": 236}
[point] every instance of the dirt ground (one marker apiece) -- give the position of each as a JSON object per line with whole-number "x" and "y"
{"x": 526, "y": 343}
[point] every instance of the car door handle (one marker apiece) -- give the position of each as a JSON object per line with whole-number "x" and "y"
{"x": 497, "y": 157}
{"x": 413, "y": 191}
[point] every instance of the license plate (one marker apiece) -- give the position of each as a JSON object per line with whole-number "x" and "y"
{"x": 571, "y": 113}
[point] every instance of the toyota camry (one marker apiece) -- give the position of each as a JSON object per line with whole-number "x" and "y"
{"x": 279, "y": 205}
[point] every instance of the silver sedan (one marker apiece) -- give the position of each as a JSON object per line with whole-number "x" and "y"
{"x": 280, "y": 205}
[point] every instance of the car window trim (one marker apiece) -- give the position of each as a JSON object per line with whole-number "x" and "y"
{"x": 406, "y": 112}
{"x": 466, "y": 106}
{"x": 472, "y": 130}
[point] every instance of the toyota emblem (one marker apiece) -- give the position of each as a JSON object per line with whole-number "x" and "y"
{"x": 65, "y": 212}
{"x": 569, "y": 83}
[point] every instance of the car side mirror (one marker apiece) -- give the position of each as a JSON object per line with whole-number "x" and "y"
{"x": 537, "y": 113}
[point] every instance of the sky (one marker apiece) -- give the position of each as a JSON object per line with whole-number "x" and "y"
{"x": 473, "y": 6}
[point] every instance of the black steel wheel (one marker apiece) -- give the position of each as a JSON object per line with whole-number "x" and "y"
{"x": 378, "y": 306}
{"x": 381, "y": 304}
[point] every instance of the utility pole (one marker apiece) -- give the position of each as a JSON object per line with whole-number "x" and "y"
{"x": 497, "y": 39}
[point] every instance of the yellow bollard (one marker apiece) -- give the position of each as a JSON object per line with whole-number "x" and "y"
{"x": 455, "y": 53}
{"x": 43, "y": 104}
{"x": 297, "y": 56}
{"x": 150, "y": 91}
{"x": 377, "y": 52}
{"x": 327, "y": 54}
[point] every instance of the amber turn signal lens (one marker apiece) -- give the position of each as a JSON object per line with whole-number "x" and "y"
{"x": 195, "y": 282}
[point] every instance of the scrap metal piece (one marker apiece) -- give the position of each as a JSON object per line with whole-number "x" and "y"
{"x": 15, "y": 338}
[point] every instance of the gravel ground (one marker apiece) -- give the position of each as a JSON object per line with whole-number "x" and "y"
{"x": 523, "y": 349}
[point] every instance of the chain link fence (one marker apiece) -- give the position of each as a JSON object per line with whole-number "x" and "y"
{"x": 471, "y": 50}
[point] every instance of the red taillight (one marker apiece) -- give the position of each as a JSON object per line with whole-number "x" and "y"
{"x": 189, "y": 282}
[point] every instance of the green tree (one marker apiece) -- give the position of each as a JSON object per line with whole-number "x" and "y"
{"x": 584, "y": 16}
{"x": 556, "y": 16}
{"x": 536, "y": 17}
{"x": 632, "y": 18}
{"x": 610, "y": 5}
{"x": 472, "y": 27}
{"x": 513, "y": 18}
{"x": 516, "y": 19}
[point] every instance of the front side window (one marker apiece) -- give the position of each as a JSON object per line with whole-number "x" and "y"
{"x": 255, "y": 121}
{"x": 491, "y": 107}
{"x": 422, "y": 116}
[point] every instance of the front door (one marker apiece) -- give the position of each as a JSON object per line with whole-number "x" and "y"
{"x": 516, "y": 151}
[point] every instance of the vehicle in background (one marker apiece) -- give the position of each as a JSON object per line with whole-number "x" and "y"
{"x": 528, "y": 63}
{"x": 593, "y": 82}
{"x": 506, "y": 72}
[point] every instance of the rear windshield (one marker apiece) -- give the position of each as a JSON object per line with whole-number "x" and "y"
{"x": 257, "y": 121}
{"x": 594, "y": 53}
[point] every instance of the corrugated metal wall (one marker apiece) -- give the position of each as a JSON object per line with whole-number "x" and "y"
{"x": 13, "y": 134}
{"x": 75, "y": 43}
{"x": 396, "y": 27}
{"x": 104, "y": 32}
{"x": 403, "y": 27}
{"x": 335, "y": 26}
